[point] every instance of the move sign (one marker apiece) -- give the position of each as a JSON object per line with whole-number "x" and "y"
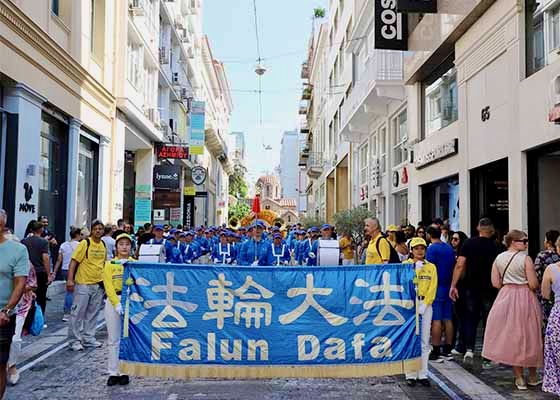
{"x": 188, "y": 321}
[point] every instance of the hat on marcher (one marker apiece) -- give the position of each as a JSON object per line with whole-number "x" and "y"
{"x": 277, "y": 236}
{"x": 326, "y": 226}
{"x": 123, "y": 236}
{"x": 158, "y": 227}
{"x": 259, "y": 224}
{"x": 392, "y": 228}
{"x": 417, "y": 241}
{"x": 189, "y": 233}
{"x": 183, "y": 234}
{"x": 173, "y": 231}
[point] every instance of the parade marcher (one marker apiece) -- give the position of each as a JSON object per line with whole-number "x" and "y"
{"x": 551, "y": 286}
{"x": 38, "y": 248}
{"x": 347, "y": 249}
{"x": 14, "y": 268}
{"x": 326, "y": 232}
{"x": 113, "y": 282}
{"x": 223, "y": 252}
{"x": 513, "y": 333}
{"x": 254, "y": 250}
{"x": 202, "y": 243}
{"x": 310, "y": 246}
{"x": 190, "y": 253}
{"x": 392, "y": 234}
{"x": 378, "y": 249}
{"x": 158, "y": 235}
{"x": 85, "y": 280}
{"x": 64, "y": 257}
{"x": 172, "y": 252}
{"x": 277, "y": 252}
{"x": 443, "y": 257}
{"x": 426, "y": 283}
{"x": 471, "y": 287}
{"x": 109, "y": 242}
{"x": 298, "y": 248}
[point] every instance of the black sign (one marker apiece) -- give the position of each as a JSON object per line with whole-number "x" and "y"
{"x": 417, "y": 6}
{"x": 26, "y": 207}
{"x": 173, "y": 152}
{"x": 201, "y": 194}
{"x": 167, "y": 176}
{"x": 188, "y": 213}
{"x": 396, "y": 178}
{"x": 391, "y": 27}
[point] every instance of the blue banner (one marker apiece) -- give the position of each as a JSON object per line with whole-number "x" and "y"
{"x": 264, "y": 322}
{"x": 197, "y": 128}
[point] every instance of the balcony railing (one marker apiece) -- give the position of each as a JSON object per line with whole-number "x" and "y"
{"x": 303, "y": 107}
{"x": 315, "y": 164}
{"x": 304, "y": 126}
{"x": 384, "y": 66}
{"x": 305, "y": 70}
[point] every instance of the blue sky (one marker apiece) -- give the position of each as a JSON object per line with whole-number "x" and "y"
{"x": 284, "y": 30}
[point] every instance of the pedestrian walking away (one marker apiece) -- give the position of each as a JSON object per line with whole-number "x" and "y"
{"x": 63, "y": 262}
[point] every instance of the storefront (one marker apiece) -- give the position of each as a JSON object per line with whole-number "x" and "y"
{"x": 490, "y": 195}
{"x": 167, "y": 194}
{"x": 543, "y": 167}
{"x": 399, "y": 186}
{"x": 440, "y": 199}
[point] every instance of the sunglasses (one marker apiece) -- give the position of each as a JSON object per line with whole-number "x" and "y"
{"x": 455, "y": 239}
{"x": 524, "y": 241}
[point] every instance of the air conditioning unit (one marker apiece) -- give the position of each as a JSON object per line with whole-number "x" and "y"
{"x": 163, "y": 56}
{"x": 136, "y": 7}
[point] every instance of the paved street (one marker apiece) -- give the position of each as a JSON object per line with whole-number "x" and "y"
{"x": 51, "y": 371}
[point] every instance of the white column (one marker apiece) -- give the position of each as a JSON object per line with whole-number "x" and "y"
{"x": 117, "y": 173}
{"x": 144, "y": 167}
{"x": 72, "y": 184}
{"x": 26, "y": 103}
{"x": 104, "y": 180}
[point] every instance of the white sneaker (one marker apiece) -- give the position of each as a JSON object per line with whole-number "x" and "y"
{"x": 469, "y": 357}
{"x": 456, "y": 353}
{"x": 45, "y": 326}
{"x": 76, "y": 346}
{"x": 66, "y": 317}
{"x": 13, "y": 378}
{"x": 94, "y": 345}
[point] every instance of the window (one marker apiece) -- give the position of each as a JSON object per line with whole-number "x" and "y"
{"x": 534, "y": 34}
{"x": 363, "y": 159}
{"x": 401, "y": 208}
{"x": 400, "y": 136}
{"x": 440, "y": 98}
{"x": 555, "y": 28}
{"x": 55, "y": 7}
{"x": 383, "y": 149}
{"x": 97, "y": 29}
{"x": 135, "y": 65}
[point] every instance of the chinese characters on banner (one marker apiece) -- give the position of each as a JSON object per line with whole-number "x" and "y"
{"x": 263, "y": 322}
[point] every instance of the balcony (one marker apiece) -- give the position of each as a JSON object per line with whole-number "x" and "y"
{"x": 136, "y": 7}
{"x": 304, "y": 126}
{"x": 315, "y": 165}
{"x": 378, "y": 83}
{"x": 307, "y": 91}
{"x": 303, "y": 156}
{"x": 303, "y": 107}
{"x": 305, "y": 70}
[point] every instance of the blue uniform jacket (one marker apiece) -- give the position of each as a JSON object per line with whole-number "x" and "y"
{"x": 221, "y": 253}
{"x": 252, "y": 251}
{"x": 190, "y": 252}
{"x": 203, "y": 245}
{"x": 277, "y": 255}
{"x": 309, "y": 252}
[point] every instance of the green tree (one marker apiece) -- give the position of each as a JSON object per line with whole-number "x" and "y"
{"x": 352, "y": 221}
{"x": 237, "y": 185}
{"x": 319, "y": 12}
{"x": 238, "y": 211}
{"x": 308, "y": 222}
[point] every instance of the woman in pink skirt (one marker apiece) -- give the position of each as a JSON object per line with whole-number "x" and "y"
{"x": 551, "y": 284}
{"x": 513, "y": 331}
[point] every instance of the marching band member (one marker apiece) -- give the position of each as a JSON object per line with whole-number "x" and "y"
{"x": 298, "y": 250}
{"x": 326, "y": 232}
{"x": 278, "y": 252}
{"x": 190, "y": 252}
{"x": 113, "y": 282}
{"x": 223, "y": 252}
{"x": 310, "y": 247}
{"x": 426, "y": 283}
{"x": 254, "y": 250}
{"x": 172, "y": 252}
{"x": 158, "y": 233}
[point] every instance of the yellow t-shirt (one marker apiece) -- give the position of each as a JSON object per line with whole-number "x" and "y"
{"x": 347, "y": 252}
{"x": 90, "y": 270}
{"x": 374, "y": 257}
{"x": 113, "y": 280}
{"x": 427, "y": 280}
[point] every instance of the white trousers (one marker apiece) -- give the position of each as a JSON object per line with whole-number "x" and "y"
{"x": 348, "y": 261}
{"x": 114, "y": 325}
{"x": 425, "y": 328}
{"x": 15, "y": 347}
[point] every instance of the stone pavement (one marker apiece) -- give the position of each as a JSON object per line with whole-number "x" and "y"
{"x": 51, "y": 371}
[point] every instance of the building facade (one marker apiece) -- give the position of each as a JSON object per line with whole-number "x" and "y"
{"x": 57, "y": 108}
{"x": 463, "y": 125}
{"x": 288, "y": 168}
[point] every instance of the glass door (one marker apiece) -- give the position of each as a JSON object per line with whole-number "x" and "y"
{"x": 87, "y": 183}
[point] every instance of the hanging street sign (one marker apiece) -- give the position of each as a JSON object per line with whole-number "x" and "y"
{"x": 198, "y": 175}
{"x": 391, "y": 26}
{"x": 173, "y": 152}
{"x": 417, "y": 6}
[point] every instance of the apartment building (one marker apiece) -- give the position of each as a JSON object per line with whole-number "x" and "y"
{"x": 56, "y": 110}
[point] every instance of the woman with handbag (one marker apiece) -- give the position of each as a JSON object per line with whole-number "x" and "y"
{"x": 513, "y": 331}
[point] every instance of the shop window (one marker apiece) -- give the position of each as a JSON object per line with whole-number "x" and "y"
{"x": 400, "y": 136}
{"x": 363, "y": 158}
{"x": 440, "y": 98}
{"x": 535, "y": 35}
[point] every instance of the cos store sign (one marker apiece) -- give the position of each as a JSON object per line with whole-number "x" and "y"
{"x": 391, "y": 26}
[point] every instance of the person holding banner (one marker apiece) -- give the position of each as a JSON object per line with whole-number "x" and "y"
{"x": 223, "y": 252}
{"x": 426, "y": 284}
{"x": 113, "y": 282}
{"x": 278, "y": 252}
{"x": 310, "y": 247}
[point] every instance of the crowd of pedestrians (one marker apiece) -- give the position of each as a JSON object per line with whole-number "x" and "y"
{"x": 462, "y": 283}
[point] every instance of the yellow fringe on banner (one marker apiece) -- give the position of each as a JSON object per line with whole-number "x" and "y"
{"x": 269, "y": 372}
{"x": 126, "y": 313}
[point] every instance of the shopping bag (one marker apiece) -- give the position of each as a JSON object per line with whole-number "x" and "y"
{"x": 38, "y": 322}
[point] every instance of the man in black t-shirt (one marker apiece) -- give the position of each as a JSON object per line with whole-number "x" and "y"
{"x": 472, "y": 288}
{"x": 38, "y": 249}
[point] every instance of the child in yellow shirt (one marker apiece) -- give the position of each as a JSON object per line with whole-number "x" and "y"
{"x": 426, "y": 279}
{"x": 113, "y": 282}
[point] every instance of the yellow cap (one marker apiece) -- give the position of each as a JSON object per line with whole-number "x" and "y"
{"x": 417, "y": 241}
{"x": 392, "y": 228}
{"x": 123, "y": 236}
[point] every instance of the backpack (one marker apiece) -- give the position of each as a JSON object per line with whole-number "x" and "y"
{"x": 89, "y": 243}
{"x": 393, "y": 255}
